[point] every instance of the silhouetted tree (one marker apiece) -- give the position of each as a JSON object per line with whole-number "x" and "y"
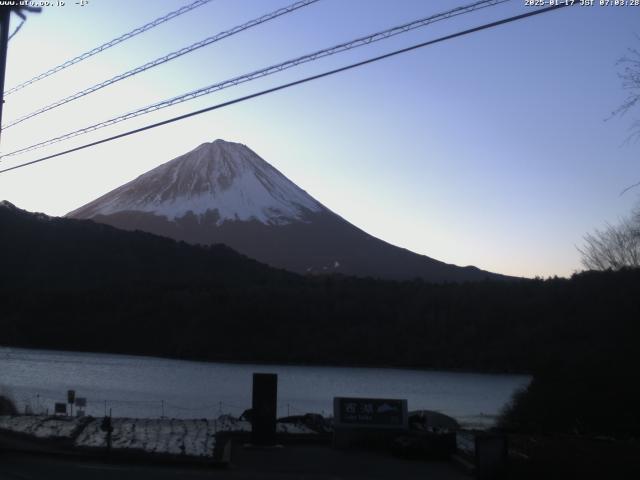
{"x": 615, "y": 247}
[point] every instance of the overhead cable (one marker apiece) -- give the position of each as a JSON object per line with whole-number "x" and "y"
{"x": 110, "y": 43}
{"x": 165, "y": 58}
{"x": 294, "y": 83}
{"x": 358, "y": 42}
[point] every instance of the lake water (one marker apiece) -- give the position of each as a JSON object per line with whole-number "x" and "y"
{"x": 132, "y": 386}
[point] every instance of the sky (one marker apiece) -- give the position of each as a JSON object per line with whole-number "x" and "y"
{"x": 494, "y": 149}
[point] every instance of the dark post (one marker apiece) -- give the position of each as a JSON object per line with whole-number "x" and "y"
{"x": 107, "y": 427}
{"x": 491, "y": 456}
{"x": 264, "y": 405}
{"x": 5, "y": 13}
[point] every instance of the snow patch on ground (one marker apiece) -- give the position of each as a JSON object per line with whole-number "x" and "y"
{"x": 193, "y": 437}
{"x": 41, "y": 427}
{"x": 294, "y": 428}
{"x": 164, "y": 435}
{"x": 465, "y": 442}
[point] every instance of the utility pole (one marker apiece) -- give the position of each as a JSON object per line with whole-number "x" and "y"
{"x": 5, "y": 13}
{"x": 5, "y": 16}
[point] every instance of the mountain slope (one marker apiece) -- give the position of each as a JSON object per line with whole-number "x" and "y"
{"x": 222, "y": 192}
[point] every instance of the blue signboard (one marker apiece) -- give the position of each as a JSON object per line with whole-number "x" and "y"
{"x": 370, "y": 413}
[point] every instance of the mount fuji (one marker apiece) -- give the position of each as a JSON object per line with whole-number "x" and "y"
{"x": 223, "y": 192}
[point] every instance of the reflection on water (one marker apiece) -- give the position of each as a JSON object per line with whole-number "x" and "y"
{"x": 151, "y": 387}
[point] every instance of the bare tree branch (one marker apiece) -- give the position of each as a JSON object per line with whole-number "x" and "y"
{"x": 630, "y": 78}
{"x": 615, "y": 247}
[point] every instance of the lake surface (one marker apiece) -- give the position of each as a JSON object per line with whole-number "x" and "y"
{"x": 132, "y": 386}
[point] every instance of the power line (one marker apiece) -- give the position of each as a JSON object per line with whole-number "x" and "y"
{"x": 166, "y": 58}
{"x": 358, "y": 42}
{"x": 297, "y": 82}
{"x": 110, "y": 43}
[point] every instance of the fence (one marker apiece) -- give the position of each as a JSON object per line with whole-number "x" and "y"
{"x": 38, "y": 404}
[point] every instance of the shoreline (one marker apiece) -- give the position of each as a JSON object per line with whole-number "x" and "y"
{"x": 274, "y": 363}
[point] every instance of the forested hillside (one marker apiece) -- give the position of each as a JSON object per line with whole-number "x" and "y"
{"x": 77, "y": 285}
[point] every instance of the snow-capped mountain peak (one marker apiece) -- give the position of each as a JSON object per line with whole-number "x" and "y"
{"x": 222, "y": 177}
{"x": 222, "y": 192}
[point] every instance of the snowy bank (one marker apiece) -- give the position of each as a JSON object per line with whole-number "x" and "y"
{"x": 165, "y": 436}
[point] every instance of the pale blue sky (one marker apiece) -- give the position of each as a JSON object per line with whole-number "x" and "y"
{"x": 489, "y": 149}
